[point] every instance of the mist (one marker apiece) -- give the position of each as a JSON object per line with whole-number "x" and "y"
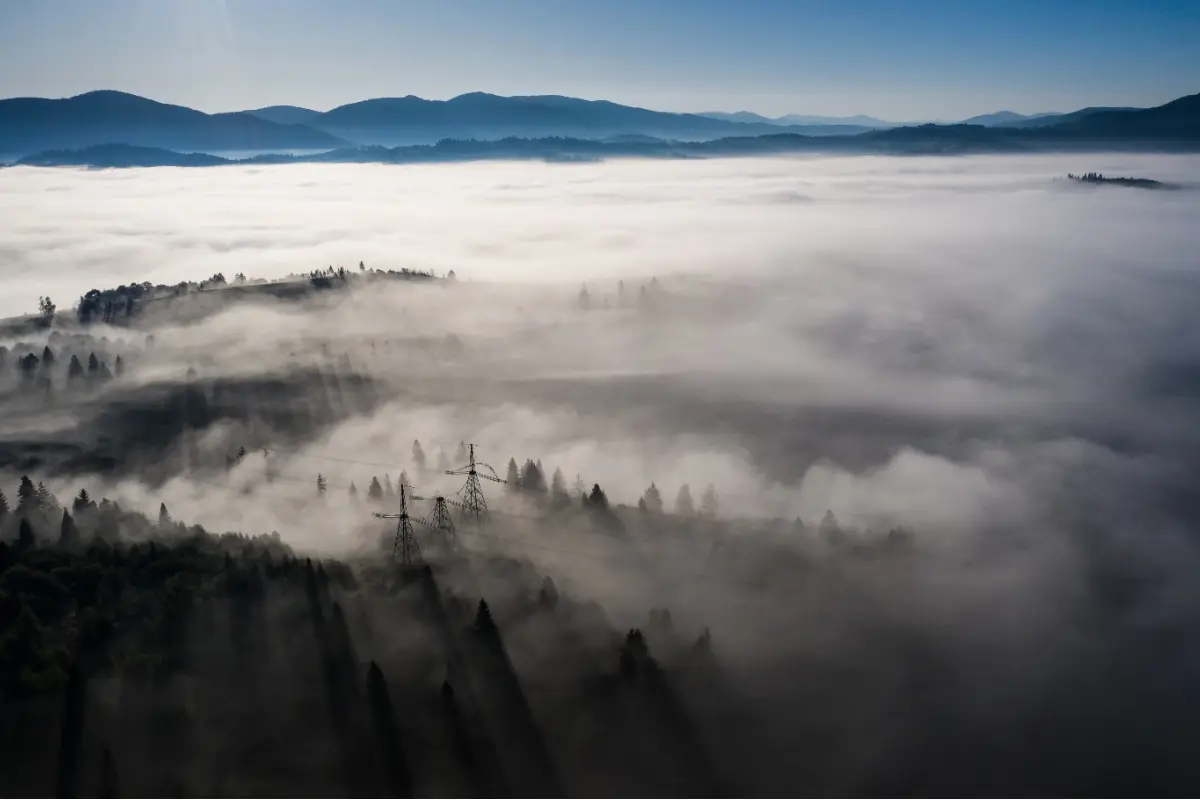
{"x": 987, "y": 374}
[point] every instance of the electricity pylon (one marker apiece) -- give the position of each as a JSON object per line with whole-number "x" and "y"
{"x": 440, "y": 520}
{"x": 474, "y": 506}
{"x": 405, "y": 542}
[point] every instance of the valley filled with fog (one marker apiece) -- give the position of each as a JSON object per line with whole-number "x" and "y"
{"x": 947, "y": 409}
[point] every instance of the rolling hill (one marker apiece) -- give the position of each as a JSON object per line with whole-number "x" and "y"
{"x": 32, "y": 124}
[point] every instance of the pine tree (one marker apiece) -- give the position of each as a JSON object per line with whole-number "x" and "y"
{"x": 418, "y": 456}
{"x": 684, "y": 506}
{"x": 82, "y": 501}
{"x": 598, "y": 499}
{"x": 66, "y": 530}
{"x": 27, "y": 496}
{"x": 642, "y": 505}
{"x": 48, "y": 359}
{"x": 74, "y": 370}
{"x": 531, "y": 478}
{"x": 3, "y": 503}
{"x": 118, "y": 367}
{"x": 353, "y": 490}
{"x": 46, "y": 502}
{"x": 26, "y": 541}
{"x": 654, "y": 503}
{"x": 93, "y": 367}
{"x": 513, "y": 476}
{"x": 164, "y": 517}
{"x": 322, "y": 486}
{"x": 483, "y": 618}
{"x": 375, "y": 490}
{"x": 558, "y": 488}
{"x": 708, "y": 503}
{"x": 388, "y": 490}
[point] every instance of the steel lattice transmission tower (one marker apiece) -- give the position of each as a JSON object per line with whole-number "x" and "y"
{"x": 440, "y": 520}
{"x": 405, "y": 543}
{"x": 474, "y": 506}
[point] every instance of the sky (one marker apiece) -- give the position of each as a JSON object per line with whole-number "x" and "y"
{"x": 903, "y": 61}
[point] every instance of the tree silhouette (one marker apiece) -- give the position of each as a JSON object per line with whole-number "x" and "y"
{"x": 513, "y": 476}
{"x": 46, "y": 308}
{"x": 46, "y": 501}
{"x": 532, "y": 479}
{"x": 388, "y": 490}
{"x": 642, "y": 505}
{"x": 67, "y": 535}
{"x": 653, "y": 499}
{"x": 483, "y": 618}
{"x": 387, "y": 734}
{"x": 26, "y": 541}
{"x": 164, "y": 517}
{"x": 558, "y": 488}
{"x": 375, "y": 490}
{"x": 598, "y": 499}
{"x": 585, "y": 299}
{"x": 708, "y": 503}
{"x": 418, "y": 457}
{"x": 118, "y": 367}
{"x": 3, "y": 504}
{"x": 27, "y": 496}
{"x": 93, "y": 367}
{"x": 48, "y": 359}
{"x": 82, "y": 501}
{"x": 74, "y": 369}
{"x": 70, "y": 750}
{"x": 683, "y": 502}
{"x": 322, "y": 486}
{"x": 353, "y": 490}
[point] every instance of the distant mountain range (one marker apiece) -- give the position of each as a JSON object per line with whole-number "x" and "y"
{"x": 88, "y": 129}
{"x": 859, "y": 120}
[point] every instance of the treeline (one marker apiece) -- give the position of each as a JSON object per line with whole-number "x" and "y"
{"x": 142, "y": 656}
{"x": 72, "y": 362}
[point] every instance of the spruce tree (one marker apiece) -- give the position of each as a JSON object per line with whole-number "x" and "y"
{"x": 82, "y": 501}
{"x": 3, "y": 503}
{"x": 653, "y": 498}
{"x": 322, "y": 487}
{"x": 418, "y": 456}
{"x": 27, "y": 496}
{"x": 708, "y": 503}
{"x": 93, "y": 367}
{"x": 375, "y": 490}
{"x": 66, "y": 531}
{"x": 26, "y": 541}
{"x": 684, "y": 506}
{"x": 74, "y": 370}
{"x": 513, "y": 476}
{"x": 118, "y": 367}
{"x": 164, "y": 517}
{"x": 388, "y": 490}
{"x": 558, "y": 488}
{"x": 598, "y": 499}
{"x": 353, "y": 491}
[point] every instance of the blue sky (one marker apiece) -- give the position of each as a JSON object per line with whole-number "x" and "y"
{"x": 923, "y": 59}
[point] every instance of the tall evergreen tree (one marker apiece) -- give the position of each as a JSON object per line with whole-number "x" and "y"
{"x": 598, "y": 499}
{"x": 513, "y": 476}
{"x": 48, "y": 359}
{"x": 74, "y": 370}
{"x": 164, "y": 517}
{"x": 82, "y": 501}
{"x": 26, "y": 541}
{"x": 353, "y": 490}
{"x": 387, "y": 734}
{"x": 3, "y": 503}
{"x": 93, "y": 367}
{"x": 418, "y": 456}
{"x": 27, "y": 496}
{"x": 684, "y": 506}
{"x": 46, "y": 501}
{"x": 653, "y": 498}
{"x": 708, "y": 503}
{"x": 388, "y": 490}
{"x": 375, "y": 490}
{"x": 67, "y": 535}
{"x": 70, "y": 751}
{"x": 558, "y": 488}
{"x": 118, "y": 367}
{"x": 532, "y": 479}
{"x": 322, "y": 486}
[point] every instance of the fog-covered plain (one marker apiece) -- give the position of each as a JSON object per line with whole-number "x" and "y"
{"x": 975, "y": 349}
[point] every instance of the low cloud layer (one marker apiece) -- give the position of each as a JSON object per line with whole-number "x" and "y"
{"x": 977, "y": 349}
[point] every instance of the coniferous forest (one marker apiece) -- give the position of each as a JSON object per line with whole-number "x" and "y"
{"x": 242, "y": 553}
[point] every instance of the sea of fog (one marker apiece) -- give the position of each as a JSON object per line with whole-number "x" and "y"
{"x": 992, "y": 220}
